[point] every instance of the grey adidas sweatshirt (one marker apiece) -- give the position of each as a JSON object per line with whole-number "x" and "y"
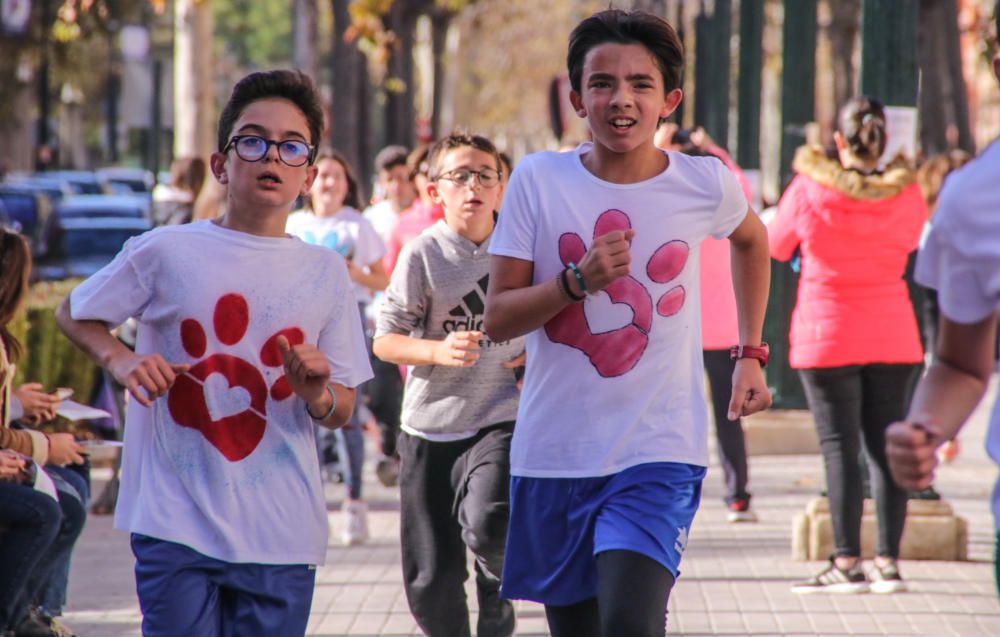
{"x": 438, "y": 287}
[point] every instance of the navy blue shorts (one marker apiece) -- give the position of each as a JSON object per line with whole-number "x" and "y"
{"x": 184, "y": 593}
{"x": 558, "y": 526}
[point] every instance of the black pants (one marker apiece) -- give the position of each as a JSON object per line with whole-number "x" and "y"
{"x": 454, "y": 497}
{"x": 632, "y": 595}
{"x": 728, "y": 433}
{"x": 853, "y": 405}
{"x": 385, "y": 400}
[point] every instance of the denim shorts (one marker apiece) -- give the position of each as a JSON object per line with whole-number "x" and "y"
{"x": 558, "y": 526}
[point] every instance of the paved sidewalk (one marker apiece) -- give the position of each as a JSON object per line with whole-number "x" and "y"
{"x": 735, "y": 579}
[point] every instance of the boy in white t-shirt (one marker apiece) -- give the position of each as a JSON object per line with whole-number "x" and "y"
{"x": 960, "y": 259}
{"x": 247, "y": 339}
{"x": 595, "y": 258}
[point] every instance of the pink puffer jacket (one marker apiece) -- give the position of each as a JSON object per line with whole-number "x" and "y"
{"x": 855, "y": 233}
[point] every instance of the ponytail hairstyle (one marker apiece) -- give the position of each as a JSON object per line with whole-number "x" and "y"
{"x": 862, "y": 123}
{"x": 15, "y": 268}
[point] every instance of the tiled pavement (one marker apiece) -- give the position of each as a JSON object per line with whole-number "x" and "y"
{"x": 735, "y": 578}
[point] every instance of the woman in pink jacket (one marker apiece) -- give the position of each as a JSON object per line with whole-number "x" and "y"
{"x": 854, "y": 336}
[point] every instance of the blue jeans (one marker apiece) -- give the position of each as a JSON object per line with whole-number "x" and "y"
{"x": 31, "y": 522}
{"x": 73, "y": 486}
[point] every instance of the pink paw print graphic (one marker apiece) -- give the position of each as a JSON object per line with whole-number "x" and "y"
{"x": 224, "y": 396}
{"x": 616, "y": 350}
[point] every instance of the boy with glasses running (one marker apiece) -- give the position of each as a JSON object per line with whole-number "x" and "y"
{"x": 248, "y": 338}
{"x": 459, "y": 402}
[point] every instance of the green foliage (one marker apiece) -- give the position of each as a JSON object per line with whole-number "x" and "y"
{"x": 257, "y": 34}
{"x": 49, "y": 358}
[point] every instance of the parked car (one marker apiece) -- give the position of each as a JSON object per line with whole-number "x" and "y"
{"x": 84, "y": 181}
{"x": 80, "y": 246}
{"x": 135, "y": 179}
{"x": 122, "y": 206}
{"x": 53, "y": 188}
{"x": 29, "y": 211}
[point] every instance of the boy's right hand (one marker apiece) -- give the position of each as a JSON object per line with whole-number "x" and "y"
{"x": 608, "y": 259}
{"x": 458, "y": 349}
{"x": 64, "y": 449}
{"x": 150, "y": 372}
{"x": 911, "y": 450}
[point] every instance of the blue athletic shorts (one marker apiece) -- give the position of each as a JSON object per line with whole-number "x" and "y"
{"x": 558, "y": 526}
{"x": 184, "y": 593}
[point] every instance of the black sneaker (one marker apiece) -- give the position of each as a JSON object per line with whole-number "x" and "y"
{"x": 886, "y": 579}
{"x": 835, "y": 580}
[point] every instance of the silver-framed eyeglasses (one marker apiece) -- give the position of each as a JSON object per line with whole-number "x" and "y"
{"x": 487, "y": 177}
{"x": 292, "y": 152}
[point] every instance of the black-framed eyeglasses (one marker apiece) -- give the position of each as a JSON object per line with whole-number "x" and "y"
{"x": 292, "y": 152}
{"x": 487, "y": 177}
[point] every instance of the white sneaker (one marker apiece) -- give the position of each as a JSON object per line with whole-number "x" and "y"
{"x": 356, "y": 524}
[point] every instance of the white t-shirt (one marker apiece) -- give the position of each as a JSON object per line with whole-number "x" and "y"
{"x": 960, "y": 258}
{"x": 615, "y": 381}
{"x": 347, "y": 232}
{"x": 383, "y": 218}
{"x": 226, "y": 462}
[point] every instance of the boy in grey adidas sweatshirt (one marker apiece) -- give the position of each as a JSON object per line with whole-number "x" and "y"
{"x": 459, "y": 402}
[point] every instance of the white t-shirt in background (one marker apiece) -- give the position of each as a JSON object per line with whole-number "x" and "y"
{"x": 226, "y": 462}
{"x": 347, "y": 232}
{"x": 617, "y": 380}
{"x": 960, "y": 258}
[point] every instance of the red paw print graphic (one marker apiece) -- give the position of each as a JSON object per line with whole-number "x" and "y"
{"x": 615, "y": 351}
{"x": 223, "y": 396}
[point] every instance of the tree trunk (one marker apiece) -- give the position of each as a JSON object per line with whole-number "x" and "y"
{"x": 844, "y": 23}
{"x": 194, "y": 107}
{"x": 399, "y": 108}
{"x": 305, "y": 33}
{"x": 944, "y": 111}
{"x": 347, "y": 83}
{"x": 440, "y": 22}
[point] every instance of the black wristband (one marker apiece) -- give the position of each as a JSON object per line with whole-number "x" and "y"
{"x": 564, "y": 284}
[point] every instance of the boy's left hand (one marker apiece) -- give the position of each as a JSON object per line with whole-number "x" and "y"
{"x": 306, "y": 369}
{"x": 750, "y": 391}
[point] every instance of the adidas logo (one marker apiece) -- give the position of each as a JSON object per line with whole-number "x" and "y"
{"x": 682, "y": 539}
{"x": 469, "y": 313}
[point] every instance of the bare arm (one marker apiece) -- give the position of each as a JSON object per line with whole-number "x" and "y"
{"x": 134, "y": 371}
{"x": 945, "y": 397}
{"x": 751, "y": 265}
{"x": 515, "y": 307}
{"x": 459, "y": 349}
{"x": 373, "y": 277}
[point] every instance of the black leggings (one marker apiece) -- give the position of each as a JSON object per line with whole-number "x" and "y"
{"x": 632, "y": 594}
{"x": 852, "y": 405}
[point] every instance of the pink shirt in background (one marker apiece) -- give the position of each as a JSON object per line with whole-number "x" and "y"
{"x": 719, "y": 326}
{"x": 412, "y": 221}
{"x": 853, "y": 307}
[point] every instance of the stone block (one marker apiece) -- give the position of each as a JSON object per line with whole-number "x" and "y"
{"x": 780, "y": 432}
{"x": 932, "y": 532}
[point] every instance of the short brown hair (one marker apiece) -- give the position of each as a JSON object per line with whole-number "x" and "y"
{"x": 294, "y": 86}
{"x": 455, "y": 140}
{"x": 627, "y": 27}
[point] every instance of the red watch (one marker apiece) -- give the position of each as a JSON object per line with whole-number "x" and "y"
{"x": 761, "y": 353}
